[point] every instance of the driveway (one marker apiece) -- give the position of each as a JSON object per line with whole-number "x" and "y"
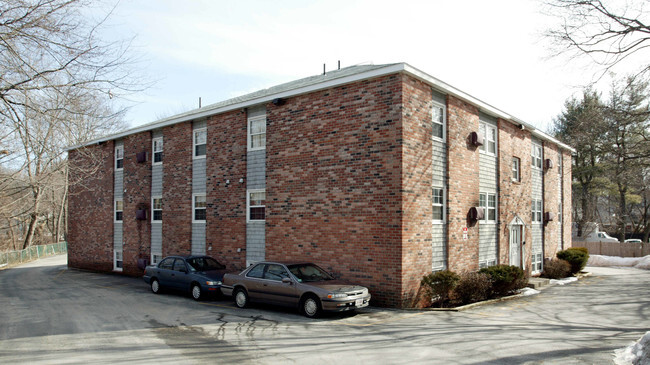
{"x": 52, "y": 315}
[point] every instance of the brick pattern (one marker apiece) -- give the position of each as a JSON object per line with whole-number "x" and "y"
{"x": 417, "y": 176}
{"x": 177, "y": 190}
{"x": 90, "y": 208}
{"x": 333, "y": 183}
{"x": 514, "y": 197}
{"x": 463, "y": 187}
{"x": 137, "y": 196}
{"x": 226, "y": 202}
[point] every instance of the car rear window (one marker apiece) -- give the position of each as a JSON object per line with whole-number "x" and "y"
{"x": 204, "y": 264}
{"x": 309, "y": 272}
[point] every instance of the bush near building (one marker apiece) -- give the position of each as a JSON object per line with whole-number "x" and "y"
{"x": 556, "y": 269}
{"x": 473, "y": 287}
{"x": 505, "y": 279}
{"x": 439, "y": 284}
{"x": 576, "y": 256}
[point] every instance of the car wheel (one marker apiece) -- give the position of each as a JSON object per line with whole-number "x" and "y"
{"x": 241, "y": 298}
{"x": 196, "y": 291}
{"x": 311, "y": 307}
{"x": 155, "y": 286}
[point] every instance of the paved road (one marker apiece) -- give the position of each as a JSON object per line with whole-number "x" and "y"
{"x": 52, "y": 315}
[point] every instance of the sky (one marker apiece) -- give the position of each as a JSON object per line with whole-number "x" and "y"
{"x": 216, "y": 50}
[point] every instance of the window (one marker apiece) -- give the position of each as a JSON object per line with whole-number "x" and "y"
{"x": 156, "y": 257}
{"x": 536, "y": 155}
{"x": 117, "y": 260}
{"x": 256, "y": 203}
{"x": 256, "y": 272}
{"x": 119, "y": 210}
{"x": 179, "y": 265}
{"x": 200, "y": 138}
{"x": 198, "y": 208}
{"x": 438, "y": 204}
{"x": 516, "y": 176}
{"x": 489, "y": 133}
{"x": 487, "y": 263}
{"x": 156, "y": 209}
{"x": 537, "y": 211}
{"x": 536, "y": 263}
{"x": 275, "y": 272}
{"x": 119, "y": 157}
{"x": 257, "y": 133}
{"x": 438, "y": 121}
{"x": 157, "y": 150}
{"x": 488, "y": 201}
{"x": 167, "y": 263}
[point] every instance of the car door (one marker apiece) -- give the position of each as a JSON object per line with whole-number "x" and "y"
{"x": 165, "y": 271}
{"x": 278, "y": 291}
{"x": 180, "y": 275}
{"x": 254, "y": 280}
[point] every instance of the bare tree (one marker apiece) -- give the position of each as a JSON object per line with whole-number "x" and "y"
{"x": 609, "y": 33}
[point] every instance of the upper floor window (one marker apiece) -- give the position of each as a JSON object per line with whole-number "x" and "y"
{"x": 119, "y": 210}
{"x": 198, "y": 208}
{"x": 156, "y": 209}
{"x": 257, "y": 133}
{"x": 119, "y": 157}
{"x": 489, "y": 133}
{"x": 200, "y": 139}
{"x": 438, "y": 121}
{"x": 516, "y": 175}
{"x": 157, "y": 150}
{"x": 488, "y": 201}
{"x": 536, "y": 155}
{"x": 438, "y": 204}
{"x": 256, "y": 202}
{"x": 537, "y": 211}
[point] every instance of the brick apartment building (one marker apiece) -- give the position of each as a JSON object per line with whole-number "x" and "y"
{"x": 379, "y": 173}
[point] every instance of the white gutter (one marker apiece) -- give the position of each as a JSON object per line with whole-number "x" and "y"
{"x": 390, "y": 69}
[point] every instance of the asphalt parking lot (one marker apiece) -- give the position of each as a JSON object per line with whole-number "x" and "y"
{"x": 55, "y": 315}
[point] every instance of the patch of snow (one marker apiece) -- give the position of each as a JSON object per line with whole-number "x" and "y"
{"x": 563, "y": 281}
{"x": 635, "y": 354}
{"x": 637, "y": 262}
{"x": 528, "y": 291}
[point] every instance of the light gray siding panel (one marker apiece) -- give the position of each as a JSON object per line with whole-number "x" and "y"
{"x": 256, "y": 170}
{"x": 199, "y": 124}
{"x": 198, "y": 239}
{"x": 487, "y": 249}
{"x": 536, "y": 232}
{"x": 156, "y": 237}
{"x": 537, "y": 183}
{"x": 198, "y": 175}
{"x": 255, "y": 241}
{"x": 487, "y": 173}
{"x": 439, "y": 162}
{"x": 118, "y": 190}
{"x": 487, "y": 118}
{"x": 117, "y": 236}
{"x": 438, "y": 97}
{"x": 156, "y": 180}
{"x": 256, "y": 111}
{"x": 157, "y": 133}
{"x": 439, "y": 247}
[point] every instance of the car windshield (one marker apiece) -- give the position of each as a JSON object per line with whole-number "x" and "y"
{"x": 204, "y": 264}
{"x": 309, "y": 273}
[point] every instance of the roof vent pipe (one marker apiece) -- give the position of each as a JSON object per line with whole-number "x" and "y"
{"x": 323, "y": 69}
{"x": 339, "y": 64}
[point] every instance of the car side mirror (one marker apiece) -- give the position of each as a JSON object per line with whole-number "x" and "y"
{"x": 286, "y": 280}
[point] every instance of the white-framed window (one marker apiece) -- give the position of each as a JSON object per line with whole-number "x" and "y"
{"x": 256, "y": 205}
{"x": 257, "y": 133}
{"x": 117, "y": 260}
{"x": 438, "y": 118}
{"x": 198, "y": 208}
{"x": 536, "y": 263}
{"x": 156, "y": 257}
{"x": 157, "y": 147}
{"x": 489, "y": 133}
{"x": 536, "y": 156}
{"x": 156, "y": 209}
{"x": 119, "y": 157}
{"x": 438, "y": 204}
{"x": 487, "y": 263}
{"x": 536, "y": 210}
{"x": 488, "y": 201}
{"x": 199, "y": 142}
{"x": 119, "y": 210}
{"x": 516, "y": 172}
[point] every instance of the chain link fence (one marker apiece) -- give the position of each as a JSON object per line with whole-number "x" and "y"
{"x": 11, "y": 258}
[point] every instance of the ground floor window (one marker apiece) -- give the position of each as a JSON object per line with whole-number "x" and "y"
{"x": 487, "y": 263}
{"x": 156, "y": 257}
{"x": 537, "y": 263}
{"x": 117, "y": 260}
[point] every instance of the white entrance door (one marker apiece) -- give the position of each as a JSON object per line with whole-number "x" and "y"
{"x": 515, "y": 245}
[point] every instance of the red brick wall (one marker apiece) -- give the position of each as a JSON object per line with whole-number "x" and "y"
{"x": 226, "y": 203}
{"x": 463, "y": 188}
{"x": 90, "y": 207}
{"x": 137, "y": 195}
{"x": 416, "y": 187}
{"x": 177, "y": 190}
{"x": 514, "y": 197}
{"x": 333, "y": 183}
{"x": 551, "y": 199}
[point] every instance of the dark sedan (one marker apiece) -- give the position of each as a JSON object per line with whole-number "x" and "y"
{"x": 302, "y": 285}
{"x": 198, "y": 275}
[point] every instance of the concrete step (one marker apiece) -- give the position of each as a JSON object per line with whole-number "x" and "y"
{"x": 537, "y": 283}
